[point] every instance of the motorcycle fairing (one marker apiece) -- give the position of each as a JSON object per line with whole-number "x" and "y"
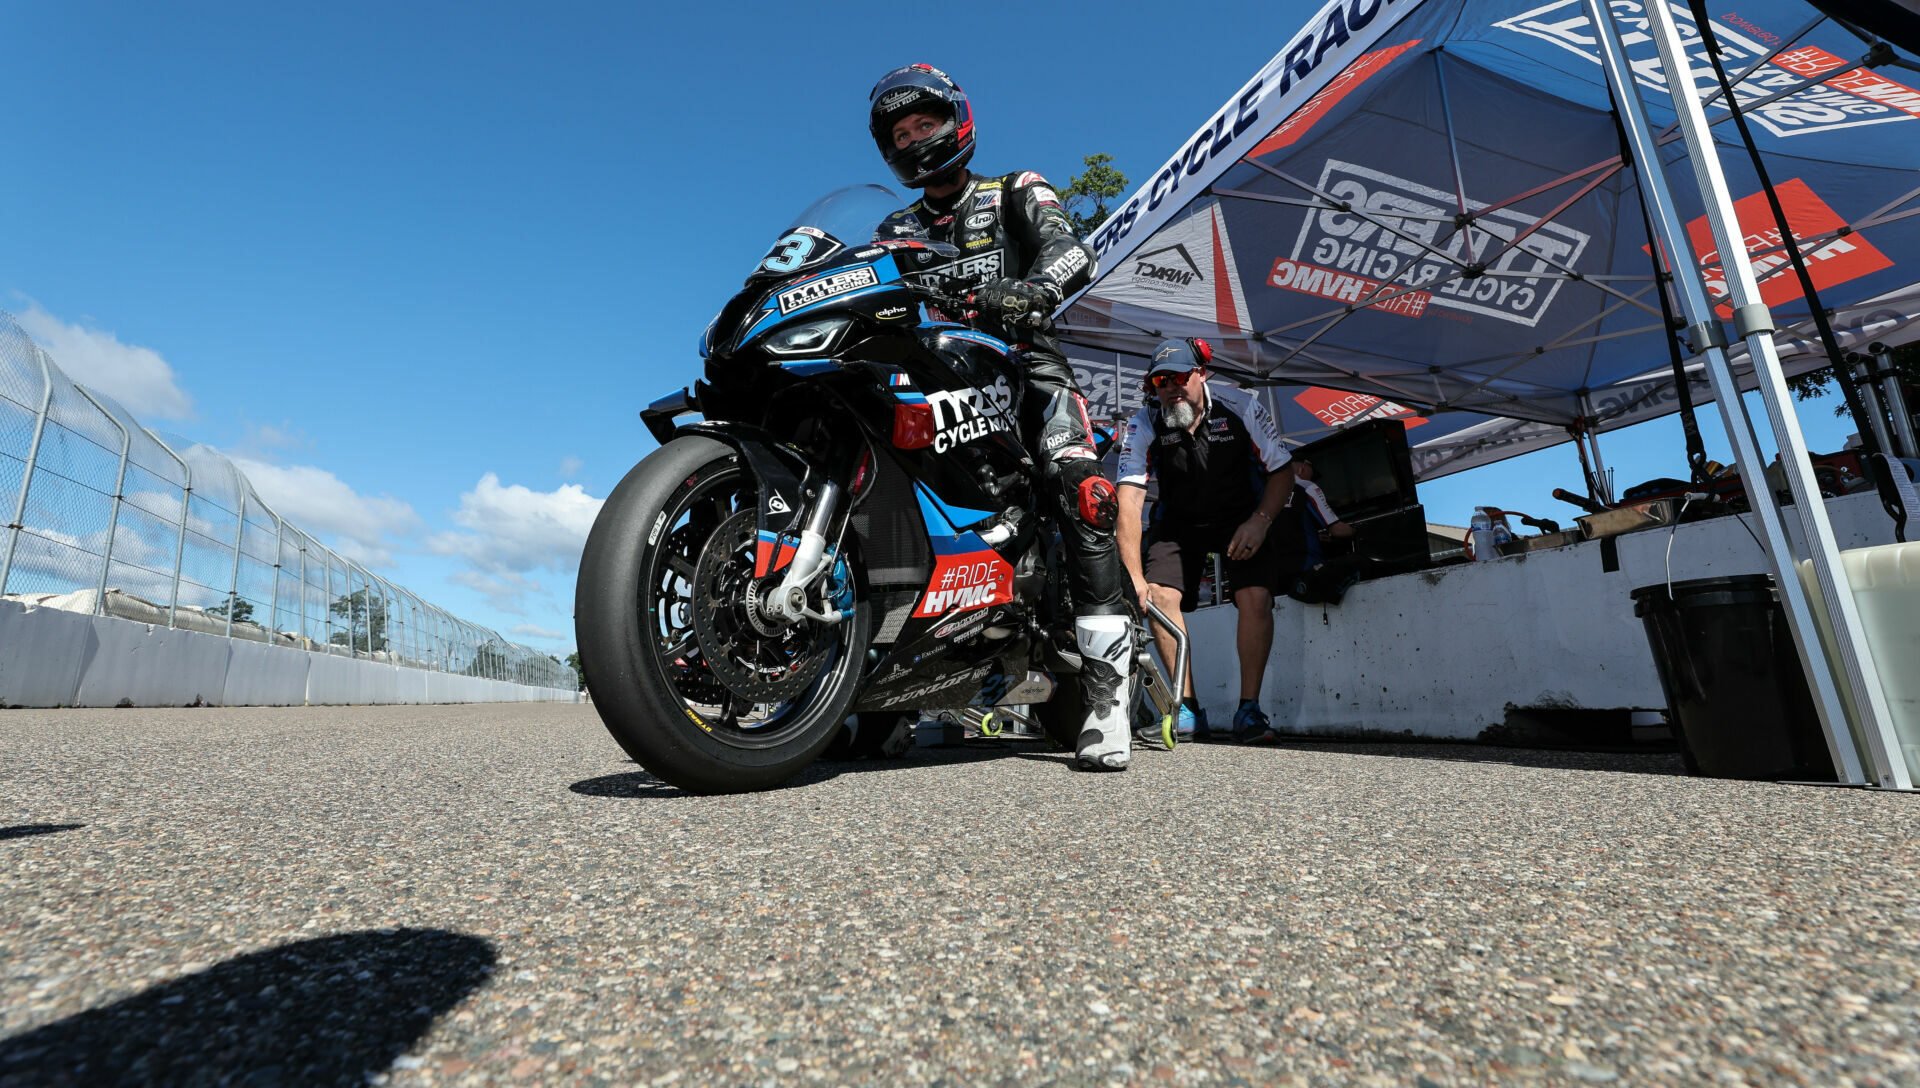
{"x": 835, "y": 284}
{"x": 1005, "y": 689}
{"x": 781, "y": 489}
{"x": 772, "y": 552}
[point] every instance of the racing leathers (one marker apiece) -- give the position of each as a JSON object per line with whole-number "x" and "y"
{"x": 1017, "y": 245}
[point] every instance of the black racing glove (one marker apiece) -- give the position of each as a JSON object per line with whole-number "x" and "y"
{"x": 1016, "y": 304}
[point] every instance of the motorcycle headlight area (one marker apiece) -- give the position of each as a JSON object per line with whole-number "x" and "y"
{"x": 808, "y": 337}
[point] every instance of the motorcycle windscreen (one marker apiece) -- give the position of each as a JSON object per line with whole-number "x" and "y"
{"x": 845, "y": 217}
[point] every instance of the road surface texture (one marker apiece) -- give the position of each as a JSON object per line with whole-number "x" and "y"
{"x": 495, "y": 895}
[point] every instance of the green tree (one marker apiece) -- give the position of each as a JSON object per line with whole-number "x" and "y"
{"x": 242, "y": 609}
{"x": 1086, "y": 195}
{"x": 489, "y": 660}
{"x": 364, "y": 615}
{"x": 579, "y": 674}
{"x": 1906, "y": 360}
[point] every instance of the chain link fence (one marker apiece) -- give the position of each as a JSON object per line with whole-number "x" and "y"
{"x": 106, "y": 518}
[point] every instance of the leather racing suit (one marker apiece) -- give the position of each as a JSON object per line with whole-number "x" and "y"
{"x": 1013, "y": 226}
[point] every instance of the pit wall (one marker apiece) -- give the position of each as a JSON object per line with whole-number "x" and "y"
{"x": 1451, "y": 653}
{"x": 50, "y": 657}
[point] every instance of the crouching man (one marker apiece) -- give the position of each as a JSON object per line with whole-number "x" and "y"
{"x": 1223, "y": 478}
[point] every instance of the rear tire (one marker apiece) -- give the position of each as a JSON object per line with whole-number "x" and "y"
{"x": 663, "y": 706}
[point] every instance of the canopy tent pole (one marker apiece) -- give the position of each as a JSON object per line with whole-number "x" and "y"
{"x": 1602, "y": 479}
{"x": 1754, "y": 323}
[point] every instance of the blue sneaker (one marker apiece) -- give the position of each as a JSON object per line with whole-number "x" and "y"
{"x": 1191, "y": 725}
{"x": 1183, "y": 725}
{"x": 1251, "y": 725}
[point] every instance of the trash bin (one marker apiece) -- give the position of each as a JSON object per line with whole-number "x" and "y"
{"x": 1733, "y": 681}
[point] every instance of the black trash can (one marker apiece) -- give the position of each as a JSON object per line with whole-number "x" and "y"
{"x": 1733, "y": 681}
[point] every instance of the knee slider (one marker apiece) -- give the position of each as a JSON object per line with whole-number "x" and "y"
{"x": 1091, "y": 495}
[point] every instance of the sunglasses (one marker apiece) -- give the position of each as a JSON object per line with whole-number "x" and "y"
{"x": 1167, "y": 379}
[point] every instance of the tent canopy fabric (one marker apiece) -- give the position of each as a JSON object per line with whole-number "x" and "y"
{"x": 1425, "y": 201}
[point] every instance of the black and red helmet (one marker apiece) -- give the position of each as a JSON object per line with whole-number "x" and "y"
{"x": 921, "y": 88}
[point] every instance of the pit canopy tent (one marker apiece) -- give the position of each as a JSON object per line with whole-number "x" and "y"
{"x": 1426, "y": 201}
{"x": 1464, "y": 206}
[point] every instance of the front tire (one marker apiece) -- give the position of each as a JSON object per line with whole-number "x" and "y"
{"x": 643, "y": 656}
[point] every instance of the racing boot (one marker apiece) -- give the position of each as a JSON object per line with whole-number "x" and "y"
{"x": 1106, "y": 661}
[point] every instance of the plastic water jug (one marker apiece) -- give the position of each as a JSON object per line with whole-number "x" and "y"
{"x": 1480, "y": 529}
{"x": 1886, "y": 590}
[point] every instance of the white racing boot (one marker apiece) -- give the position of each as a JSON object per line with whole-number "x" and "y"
{"x": 1106, "y": 660}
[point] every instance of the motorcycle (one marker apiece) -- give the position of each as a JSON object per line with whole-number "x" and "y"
{"x": 848, "y": 535}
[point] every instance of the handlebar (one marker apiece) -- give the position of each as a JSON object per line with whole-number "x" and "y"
{"x": 953, "y": 304}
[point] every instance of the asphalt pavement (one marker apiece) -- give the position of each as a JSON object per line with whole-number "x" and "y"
{"x": 495, "y": 895}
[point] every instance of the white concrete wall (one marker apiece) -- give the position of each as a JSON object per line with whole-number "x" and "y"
{"x": 1444, "y": 653}
{"x": 50, "y": 657}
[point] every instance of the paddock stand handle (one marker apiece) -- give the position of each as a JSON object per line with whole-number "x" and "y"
{"x": 1180, "y": 651}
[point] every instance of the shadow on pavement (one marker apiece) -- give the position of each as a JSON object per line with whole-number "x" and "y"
{"x": 642, "y": 785}
{"x": 630, "y": 784}
{"x": 1665, "y": 763}
{"x": 21, "y": 831}
{"x": 327, "y": 1011}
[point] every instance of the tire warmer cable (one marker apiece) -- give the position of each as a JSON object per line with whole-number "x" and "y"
{"x": 1842, "y": 372}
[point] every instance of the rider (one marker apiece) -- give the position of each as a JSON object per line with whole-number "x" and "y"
{"x": 1014, "y": 238}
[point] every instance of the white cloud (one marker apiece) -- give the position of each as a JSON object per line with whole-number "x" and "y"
{"x": 137, "y": 377}
{"x": 531, "y": 630}
{"x": 362, "y": 527}
{"x": 570, "y": 467}
{"x": 509, "y": 531}
{"x": 513, "y": 529}
{"x": 266, "y": 438}
{"x": 503, "y": 591}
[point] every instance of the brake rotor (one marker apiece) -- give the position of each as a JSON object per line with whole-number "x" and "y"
{"x": 762, "y": 667}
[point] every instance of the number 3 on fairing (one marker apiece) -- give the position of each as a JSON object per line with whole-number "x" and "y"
{"x": 791, "y": 252}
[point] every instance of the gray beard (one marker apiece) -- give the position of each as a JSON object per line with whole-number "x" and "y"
{"x": 1181, "y": 415}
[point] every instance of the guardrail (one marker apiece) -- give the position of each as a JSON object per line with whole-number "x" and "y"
{"x": 105, "y": 517}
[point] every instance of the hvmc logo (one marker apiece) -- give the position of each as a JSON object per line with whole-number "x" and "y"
{"x": 1337, "y": 246}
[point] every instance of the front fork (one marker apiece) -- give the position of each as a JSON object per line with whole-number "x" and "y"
{"x": 811, "y": 559}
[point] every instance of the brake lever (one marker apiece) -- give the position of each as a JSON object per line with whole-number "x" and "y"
{"x": 949, "y": 304}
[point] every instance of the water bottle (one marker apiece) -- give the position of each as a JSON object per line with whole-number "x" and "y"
{"x": 1480, "y": 531}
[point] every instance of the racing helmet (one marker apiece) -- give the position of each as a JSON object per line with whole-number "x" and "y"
{"x": 921, "y": 88}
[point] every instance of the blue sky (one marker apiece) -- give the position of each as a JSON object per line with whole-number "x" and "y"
{"x": 420, "y": 265}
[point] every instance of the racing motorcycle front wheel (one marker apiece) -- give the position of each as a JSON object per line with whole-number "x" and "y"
{"x": 688, "y": 672}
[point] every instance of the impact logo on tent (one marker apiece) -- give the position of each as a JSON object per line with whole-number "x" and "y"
{"x": 1835, "y": 260}
{"x": 1188, "y": 269}
{"x": 1846, "y": 99}
{"x": 1335, "y": 408}
{"x": 1345, "y": 258}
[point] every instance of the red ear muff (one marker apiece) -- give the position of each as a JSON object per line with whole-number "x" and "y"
{"x": 1202, "y": 350}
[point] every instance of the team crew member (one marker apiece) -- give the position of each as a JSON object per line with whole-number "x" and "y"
{"x": 1223, "y": 478}
{"x": 1015, "y": 240}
